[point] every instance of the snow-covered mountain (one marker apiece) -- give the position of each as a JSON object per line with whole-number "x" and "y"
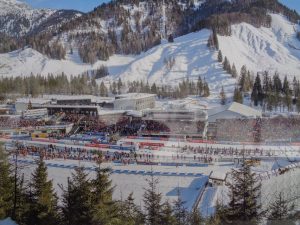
{"x": 114, "y": 31}
{"x": 18, "y": 19}
{"x": 274, "y": 49}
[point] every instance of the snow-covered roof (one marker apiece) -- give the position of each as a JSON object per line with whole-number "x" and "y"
{"x": 40, "y": 101}
{"x": 218, "y": 175}
{"x": 134, "y": 96}
{"x": 238, "y": 108}
{"x": 244, "y": 110}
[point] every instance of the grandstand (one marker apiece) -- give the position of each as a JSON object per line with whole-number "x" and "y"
{"x": 177, "y": 122}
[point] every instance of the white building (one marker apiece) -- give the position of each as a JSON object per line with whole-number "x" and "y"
{"x": 134, "y": 101}
{"x": 233, "y": 111}
{"x": 22, "y": 104}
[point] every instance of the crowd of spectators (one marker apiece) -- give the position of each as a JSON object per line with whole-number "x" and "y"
{"x": 17, "y": 122}
{"x": 259, "y": 130}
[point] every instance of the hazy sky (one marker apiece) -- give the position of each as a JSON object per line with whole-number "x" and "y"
{"x": 88, "y": 5}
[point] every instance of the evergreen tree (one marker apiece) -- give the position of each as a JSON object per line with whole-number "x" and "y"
{"x": 244, "y": 79}
{"x": 238, "y": 96}
{"x": 153, "y": 88}
{"x": 120, "y": 85}
{"x": 77, "y": 206}
{"x": 180, "y": 211}
{"x": 43, "y": 208}
{"x": 114, "y": 88}
{"x": 220, "y": 56}
{"x": 130, "y": 214}
{"x": 257, "y": 94}
{"x": 103, "y": 89}
{"x": 280, "y": 211}
{"x": 29, "y": 105}
{"x": 152, "y": 203}
{"x": 199, "y": 86}
{"x": 223, "y": 96}
{"x": 104, "y": 209}
{"x": 206, "y": 91}
{"x": 244, "y": 194}
{"x": 233, "y": 71}
{"x": 226, "y": 65}
{"x": 195, "y": 218}
{"x": 167, "y": 214}
{"x": 6, "y": 186}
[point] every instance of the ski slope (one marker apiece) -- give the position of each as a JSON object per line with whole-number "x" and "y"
{"x": 260, "y": 49}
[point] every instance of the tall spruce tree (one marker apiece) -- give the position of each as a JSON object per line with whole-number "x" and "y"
{"x": 167, "y": 217}
{"x": 281, "y": 211}
{"x": 129, "y": 213}
{"x": 180, "y": 211}
{"x": 244, "y": 194}
{"x": 238, "y": 95}
{"x": 6, "y": 186}
{"x": 43, "y": 209}
{"x": 220, "y": 56}
{"x": 223, "y": 96}
{"x": 104, "y": 209}
{"x": 152, "y": 203}
{"x": 233, "y": 71}
{"x": 257, "y": 93}
{"x": 195, "y": 218}
{"x": 77, "y": 206}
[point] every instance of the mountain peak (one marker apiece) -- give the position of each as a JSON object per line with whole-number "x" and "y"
{"x": 12, "y": 6}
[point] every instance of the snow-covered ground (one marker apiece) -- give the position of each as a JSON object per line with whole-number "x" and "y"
{"x": 272, "y": 49}
{"x": 126, "y": 183}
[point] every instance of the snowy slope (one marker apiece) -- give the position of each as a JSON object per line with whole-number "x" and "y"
{"x": 274, "y": 49}
{"x": 27, "y": 61}
{"x": 260, "y": 49}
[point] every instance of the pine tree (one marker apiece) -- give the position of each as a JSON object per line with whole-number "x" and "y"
{"x": 152, "y": 203}
{"x": 130, "y": 214}
{"x": 180, "y": 211}
{"x": 242, "y": 81}
{"x": 226, "y": 65}
{"x": 257, "y": 94}
{"x": 43, "y": 208}
{"x": 238, "y": 96}
{"x": 29, "y": 105}
{"x": 195, "y": 218}
{"x": 153, "y": 88}
{"x": 244, "y": 194}
{"x": 104, "y": 209}
{"x": 77, "y": 199}
{"x": 233, "y": 71}
{"x": 6, "y": 186}
{"x": 103, "y": 89}
{"x": 223, "y": 96}
{"x": 199, "y": 86}
{"x": 167, "y": 214}
{"x": 220, "y": 56}
{"x": 120, "y": 85}
{"x": 280, "y": 211}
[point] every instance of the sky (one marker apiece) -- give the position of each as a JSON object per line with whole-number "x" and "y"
{"x": 88, "y": 5}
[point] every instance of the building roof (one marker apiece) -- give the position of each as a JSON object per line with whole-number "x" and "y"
{"x": 238, "y": 108}
{"x": 134, "y": 96}
{"x": 218, "y": 175}
{"x": 244, "y": 110}
{"x": 38, "y": 101}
